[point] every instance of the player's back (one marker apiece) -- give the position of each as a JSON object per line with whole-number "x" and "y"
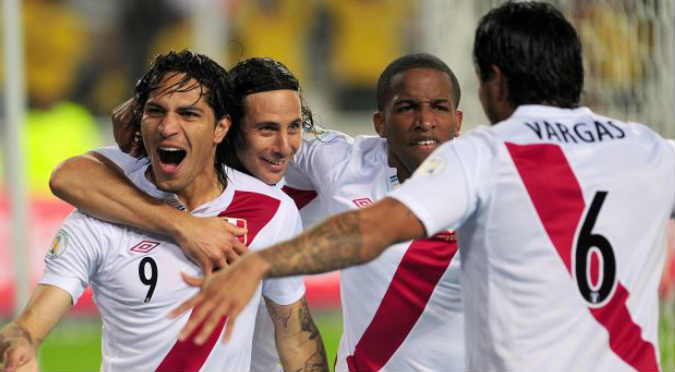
{"x": 563, "y": 254}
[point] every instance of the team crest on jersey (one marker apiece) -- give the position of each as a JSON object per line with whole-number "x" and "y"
{"x": 362, "y": 202}
{"x": 431, "y": 166}
{"x": 239, "y": 222}
{"x": 59, "y": 244}
{"x": 145, "y": 246}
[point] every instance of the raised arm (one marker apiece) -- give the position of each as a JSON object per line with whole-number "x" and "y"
{"x": 97, "y": 187}
{"x": 20, "y": 339}
{"x": 348, "y": 239}
{"x": 297, "y": 338}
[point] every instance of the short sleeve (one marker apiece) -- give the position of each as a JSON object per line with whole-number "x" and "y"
{"x": 441, "y": 192}
{"x": 126, "y": 162}
{"x": 286, "y": 290}
{"x": 320, "y": 154}
{"x": 74, "y": 255}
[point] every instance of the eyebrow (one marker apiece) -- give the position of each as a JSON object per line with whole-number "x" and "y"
{"x": 269, "y": 122}
{"x": 414, "y": 101}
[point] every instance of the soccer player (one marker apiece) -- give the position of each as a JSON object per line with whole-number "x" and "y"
{"x": 186, "y": 102}
{"x": 561, "y": 215}
{"x": 401, "y": 320}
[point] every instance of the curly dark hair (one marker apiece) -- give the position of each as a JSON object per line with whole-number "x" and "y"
{"x": 537, "y": 50}
{"x": 255, "y": 75}
{"x": 211, "y": 79}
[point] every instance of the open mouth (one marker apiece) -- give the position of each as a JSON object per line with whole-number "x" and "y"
{"x": 171, "y": 156}
{"x": 425, "y": 143}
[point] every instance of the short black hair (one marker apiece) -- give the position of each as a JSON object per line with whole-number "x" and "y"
{"x": 536, "y": 49}
{"x": 211, "y": 78}
{"x": 256, "y": 75}
{"x": 408, "y": 62}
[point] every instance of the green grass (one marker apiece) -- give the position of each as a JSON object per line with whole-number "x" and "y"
{"x": 75, "y": 345}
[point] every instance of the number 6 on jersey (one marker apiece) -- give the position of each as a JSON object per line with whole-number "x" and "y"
{"x": 594, "y": 261}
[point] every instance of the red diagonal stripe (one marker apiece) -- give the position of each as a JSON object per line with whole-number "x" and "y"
{"x": 186, "y": 355}
{"x": 557, "y": 198}
{"x": 300, "y": 197}
{"x": 257, "y": 209}
{"x": 414, "y": 281}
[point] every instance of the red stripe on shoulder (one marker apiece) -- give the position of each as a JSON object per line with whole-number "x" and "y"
{"x": 300, "y": 197}
{"x": 256, "y": 208}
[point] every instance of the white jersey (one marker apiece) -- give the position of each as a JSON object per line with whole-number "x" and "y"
{"x": 136, "y": 277}
{"x": 402, "y": 311}
{"x": 561, "y": 217}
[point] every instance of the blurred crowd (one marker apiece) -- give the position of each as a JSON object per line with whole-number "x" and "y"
{"x": 83, "y": 57}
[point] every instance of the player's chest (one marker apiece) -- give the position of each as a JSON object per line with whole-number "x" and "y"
{"x": 145, "y": 271}
{"x": 361, "y": 189}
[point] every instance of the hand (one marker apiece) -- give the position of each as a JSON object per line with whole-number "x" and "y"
{"x": 211, "y": 241}
{"x": 126, "y": 128}
{"x": 224, "y": 293}
{"x": 18, "y": 354}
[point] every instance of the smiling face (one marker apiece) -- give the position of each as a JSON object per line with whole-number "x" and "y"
{"x": 271, "y": 133}
{"x": 419, "y": 116}
{"x": 180, "y": 134}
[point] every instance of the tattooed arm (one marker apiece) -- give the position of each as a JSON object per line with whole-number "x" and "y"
{"x": 348, "y": 239}
{"x": 297, "y": 338}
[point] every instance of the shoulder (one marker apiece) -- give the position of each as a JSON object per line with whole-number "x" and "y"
{"x": 255, "y": 191}
{"x": 126, "y": 162}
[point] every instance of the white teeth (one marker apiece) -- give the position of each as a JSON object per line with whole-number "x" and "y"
{"x": 170, "y": 149}
{"x": 426, "y": 142}
{"x": 275, "y": 162}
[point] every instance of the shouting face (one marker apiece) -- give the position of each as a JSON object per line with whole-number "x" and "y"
{"x": 180, "y": 134}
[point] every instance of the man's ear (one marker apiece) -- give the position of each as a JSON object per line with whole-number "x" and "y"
{"x": 222, "y": 127}
{"x": 499, "y": 84}
{"x": 378, "y": 123}
{"x": 459, "y": 115}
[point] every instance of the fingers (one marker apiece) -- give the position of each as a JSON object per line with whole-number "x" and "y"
{"x": 229, "y": 327}
{"x": 231, "y": 256}
{"x": 239, "y": 247}
{"x": 187, "y": 305}
{"x": 205, "y": 263}
{"x": 234, "y": 229}
{"x": 192, "y": 280}
{"x": 14, "y": 358}
{"x": 214, "y": 317}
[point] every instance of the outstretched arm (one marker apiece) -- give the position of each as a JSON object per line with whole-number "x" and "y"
{"x": 20, "y": 339}
{"x": 297, "y": 338}
{"x": 97, "y": 187}
{"x": 348, "y": 239}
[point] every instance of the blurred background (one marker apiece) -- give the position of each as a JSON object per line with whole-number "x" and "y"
{"x": 67, "y": 63}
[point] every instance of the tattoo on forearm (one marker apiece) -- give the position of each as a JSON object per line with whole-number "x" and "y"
{"x": 316, "y": 361}
{"x": 330, "y": 246}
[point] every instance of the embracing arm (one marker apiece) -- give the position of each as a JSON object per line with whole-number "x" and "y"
{"x": 348, "y": 239}
{"x": 297, "y": 338}
{"x": 20, "y": 339}
{"x": 96, "y": 186}
{"x": 345, "y": 240}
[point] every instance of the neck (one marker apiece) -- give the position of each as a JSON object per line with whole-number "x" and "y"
{"x": 402, "y": 172}
{"x": 204, "y": 188}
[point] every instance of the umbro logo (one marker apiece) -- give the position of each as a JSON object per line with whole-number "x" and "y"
{"x": 145, "y": 246}
{"x": 362, "y": 202}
